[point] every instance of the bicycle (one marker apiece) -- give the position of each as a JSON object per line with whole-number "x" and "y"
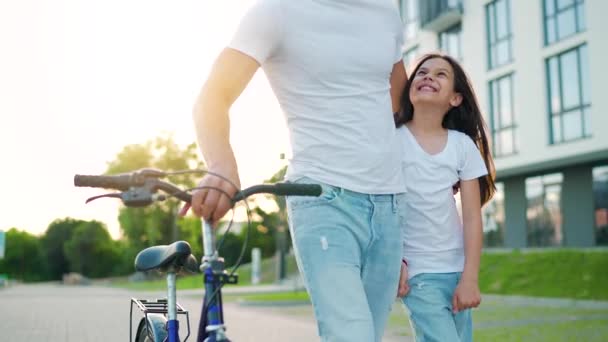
{"x": 159, "y": 322}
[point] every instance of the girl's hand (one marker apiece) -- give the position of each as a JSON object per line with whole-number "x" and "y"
{"x": 466, "y": 296}
{"x": 404, "y": 287}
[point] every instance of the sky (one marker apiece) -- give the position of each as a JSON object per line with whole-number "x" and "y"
{"x": 81, "y": 79}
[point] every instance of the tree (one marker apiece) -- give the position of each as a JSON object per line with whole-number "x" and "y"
{"x": 278, "y": 238}
{"x": 231, "y": 248}
{"x": 53, "y": 241}
{"x": 155, "y": 224}
{"x": 190, "y": 230}
{"x": 23, "y": 259}
{"x": 261, "y": 235}
{"x": 90, "y": 251}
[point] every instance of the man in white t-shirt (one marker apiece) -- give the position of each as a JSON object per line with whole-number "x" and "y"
{"x": 333, "y": 66}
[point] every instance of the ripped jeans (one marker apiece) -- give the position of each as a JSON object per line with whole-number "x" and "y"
{"x": 348, "y": 249}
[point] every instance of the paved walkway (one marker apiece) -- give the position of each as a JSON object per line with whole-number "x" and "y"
{"x": 52, "y": 312}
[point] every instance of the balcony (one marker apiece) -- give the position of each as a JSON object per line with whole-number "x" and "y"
{"x": 438, "y": 15}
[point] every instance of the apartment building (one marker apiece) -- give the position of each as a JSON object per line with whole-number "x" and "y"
{"x": 537, "y": 67}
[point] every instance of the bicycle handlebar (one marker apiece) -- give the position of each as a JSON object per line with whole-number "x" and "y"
{"x": 138, "y": 187}
{"x": 280, "y": 189}
{"x": 119, "y": 182}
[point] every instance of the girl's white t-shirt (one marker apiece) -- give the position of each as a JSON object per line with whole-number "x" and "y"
{"x": 432, "y": 228}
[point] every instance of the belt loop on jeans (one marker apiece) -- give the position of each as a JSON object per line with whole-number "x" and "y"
{"x": 394, "y": 203}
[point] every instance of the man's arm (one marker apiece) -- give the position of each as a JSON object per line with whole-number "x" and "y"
{"x": 229, "y": 76}
{"x": 398, "y": 81}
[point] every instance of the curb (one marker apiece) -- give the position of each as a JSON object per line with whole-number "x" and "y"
{"x": 548, "y": 302}
{"x": 276, "y": 303}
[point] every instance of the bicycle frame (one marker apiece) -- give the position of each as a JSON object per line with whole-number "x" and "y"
{"x": 211, "y": 325}
{"x": 172, "y": 323}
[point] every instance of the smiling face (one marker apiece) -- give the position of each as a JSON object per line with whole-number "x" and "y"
{"x": 433, "y": 84}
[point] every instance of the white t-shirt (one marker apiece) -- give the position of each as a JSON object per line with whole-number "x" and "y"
{"x": 329, "y": 64}
{"x": 432, "y": 230}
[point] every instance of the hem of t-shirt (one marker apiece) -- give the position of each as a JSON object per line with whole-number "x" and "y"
{"x": 344, "y": 185}
{"x": 474, "y": 175}
{"x": 412, "y": 272}
{"x": 413, "y": 258}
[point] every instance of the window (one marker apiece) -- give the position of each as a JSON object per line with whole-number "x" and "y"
{"x": 494, "y": 219}
{"x": 544, "y": 217}
{"x": 410, "y": 15}
{"x": 435, "y": 15}
{"x": 569, "y": 95}
{"x": 409, "y": 57}
{"x": 600, "y": 197}
{"x": 563, "y": 18}
{"x": 449, "y": 41}
{"x": 498, "y": 21}
{"x": 502, "y": 117}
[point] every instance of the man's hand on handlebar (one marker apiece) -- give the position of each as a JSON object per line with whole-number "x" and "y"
{"x": 213, "y": 199}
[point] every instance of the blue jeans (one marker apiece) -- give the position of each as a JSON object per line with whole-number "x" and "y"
{"x": 348, "y": 249}
{"x": 429, "y": 303}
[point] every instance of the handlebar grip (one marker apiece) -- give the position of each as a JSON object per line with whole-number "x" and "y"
{"x": 119, "y": 182}
{"x": 293, "y": 189}
{"x": 280, "y": 189}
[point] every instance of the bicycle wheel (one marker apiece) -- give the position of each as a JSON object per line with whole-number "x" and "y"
{"x": 158, "y": 332}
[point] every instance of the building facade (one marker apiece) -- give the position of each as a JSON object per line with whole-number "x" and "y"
{"x": 536, "y": 66}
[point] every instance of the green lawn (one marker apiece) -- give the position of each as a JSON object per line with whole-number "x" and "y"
{"x": 295, "y": 296}
{"x": 574, "y": 330}
{"x": 498, "y": 321}
{"x": 183, "y": 282}
{"x": 559, "y": 273}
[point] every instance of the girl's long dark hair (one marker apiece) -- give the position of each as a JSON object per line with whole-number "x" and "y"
{"x": 465, "y": 118}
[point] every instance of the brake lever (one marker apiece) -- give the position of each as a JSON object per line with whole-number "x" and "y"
{"x": 139, "y": 196}
{"x": 113, "y": 195}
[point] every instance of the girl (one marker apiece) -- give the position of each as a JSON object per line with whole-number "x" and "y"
{"x": 444, "y": 140}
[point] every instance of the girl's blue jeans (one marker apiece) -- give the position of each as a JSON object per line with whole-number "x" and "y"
{"x": 429, "y": 304}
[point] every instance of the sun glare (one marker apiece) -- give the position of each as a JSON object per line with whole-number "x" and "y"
{"x": 83, "y": 79}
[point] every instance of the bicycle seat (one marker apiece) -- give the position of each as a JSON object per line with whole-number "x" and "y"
{"x": 178, "y": 254}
